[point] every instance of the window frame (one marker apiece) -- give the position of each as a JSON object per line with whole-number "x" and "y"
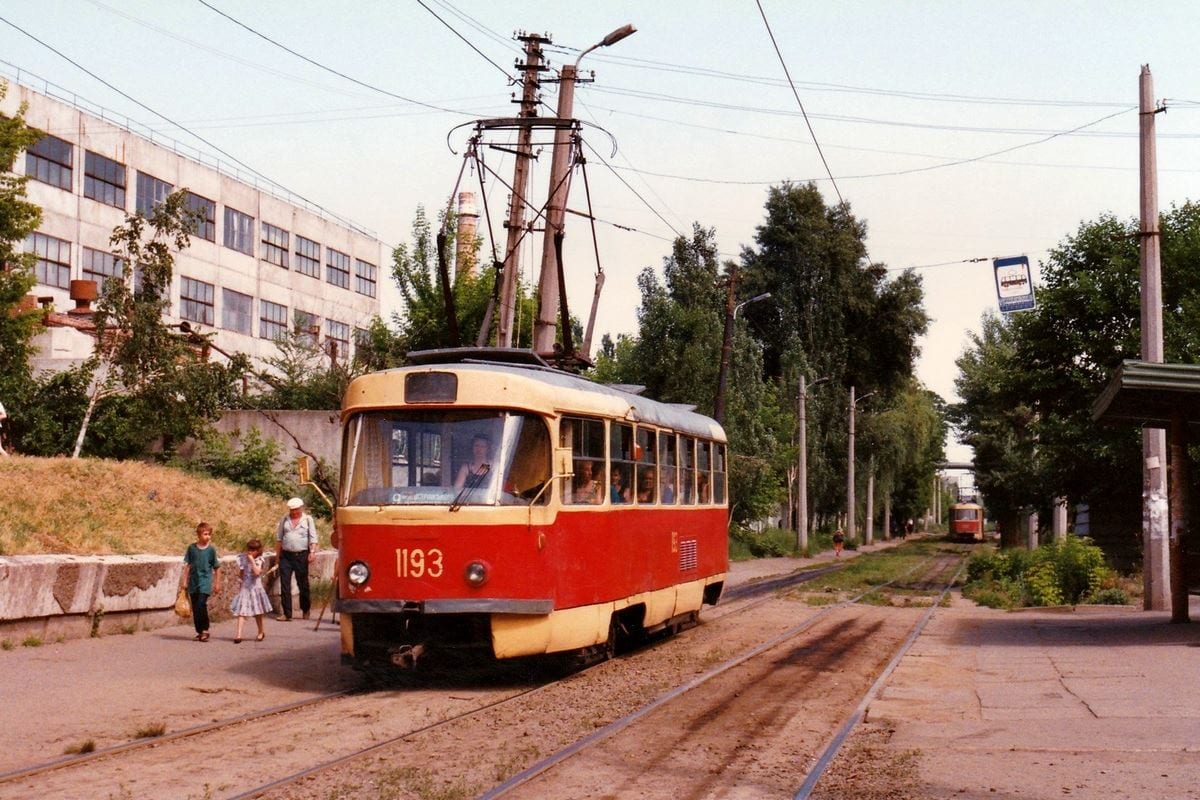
{"x": 366, "y": 278}
{"x": 307, "y": 263}
{"x": 272, "y": 317}
{"x": 337, "y": 273}
{"x": 197, "y": 300}
{"x": 229, "y": 311}
{"x": 52, "y": 168}
{"x": 205, "y": 225}
{"x": 150, "y": 192}
{"x": 239, "y": 231}
{"x": 99, "y": 182}
{"x": 273, "y": 252}
{"x": 43, "y": 261}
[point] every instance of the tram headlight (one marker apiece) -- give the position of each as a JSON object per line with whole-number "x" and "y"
{"x": 358, "y": 573}
{"x": 476, "y": 573}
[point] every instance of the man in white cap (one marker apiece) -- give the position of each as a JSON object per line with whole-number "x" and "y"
{"x": 295, "y": 549}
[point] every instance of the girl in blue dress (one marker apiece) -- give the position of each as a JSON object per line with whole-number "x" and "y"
{"x": 251, "y": 599}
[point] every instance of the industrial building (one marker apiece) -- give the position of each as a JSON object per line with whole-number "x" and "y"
{"x": 261, "y": 262}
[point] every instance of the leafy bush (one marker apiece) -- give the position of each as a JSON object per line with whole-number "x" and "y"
{"x": 770, "y": 543}
{"x": 252, "y": 465}
{"x": 1065, "y": 573}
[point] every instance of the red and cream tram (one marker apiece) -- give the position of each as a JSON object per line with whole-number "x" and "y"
{"x": 515, "y": 510}
{"x": 966, "y": 521}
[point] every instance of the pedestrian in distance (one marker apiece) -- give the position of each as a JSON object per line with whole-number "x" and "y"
{"x": 3, "y": 419}
{"x": 295, "y": 549}
{"x": 201, "y": 574}
{"x": 251, "y": 599}
{"x": 839, "y": 539}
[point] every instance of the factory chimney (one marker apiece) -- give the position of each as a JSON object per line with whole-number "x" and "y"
{"x": 468, "y": 222}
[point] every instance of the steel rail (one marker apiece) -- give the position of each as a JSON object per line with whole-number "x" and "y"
{"x": 156, "y": 741}
{"x": 620, "y": 724}
{"x": 839, "y": 738}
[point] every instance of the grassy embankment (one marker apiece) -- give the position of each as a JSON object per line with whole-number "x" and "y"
{"x": 96, "y": 507}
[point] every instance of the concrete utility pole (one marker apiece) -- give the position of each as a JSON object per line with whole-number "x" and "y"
{"x": 869, "y": 536}
{"x": 556, "y": 205}
{"x": 850, "y": 467}
{"x": 516, "y": 207}
{"x": 802, "y": 466}
{"x": 1155, "y": 552}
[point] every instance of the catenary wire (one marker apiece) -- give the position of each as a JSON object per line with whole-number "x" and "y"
{"x": 142, "y": 105}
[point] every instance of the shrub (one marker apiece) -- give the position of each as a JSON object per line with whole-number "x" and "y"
{"x": 1065, "y": 573}
{"x": 770, "y": 543}
{"x": 252, "y": 465}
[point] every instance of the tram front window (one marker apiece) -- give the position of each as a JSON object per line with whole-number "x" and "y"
{"x": 445, "y": 457}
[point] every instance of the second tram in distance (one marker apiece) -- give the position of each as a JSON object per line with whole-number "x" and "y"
{"x": 511, "y": 510}
{"x": 966, "y": 521}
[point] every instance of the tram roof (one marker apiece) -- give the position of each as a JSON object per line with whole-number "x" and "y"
{"x": 544, "y": 389}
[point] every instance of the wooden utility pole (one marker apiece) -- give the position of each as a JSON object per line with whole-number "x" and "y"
{"x": 515, "y": 224}
{"x": 1155, "y": 555}
{"x": 850, "y": 473}
{"x": 726, "y": 347}
{"x": 802, "y": 468}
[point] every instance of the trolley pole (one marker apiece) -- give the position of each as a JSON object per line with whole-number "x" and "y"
{"x": 516, "y": 209}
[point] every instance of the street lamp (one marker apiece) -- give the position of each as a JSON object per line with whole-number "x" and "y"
{"x": 754, "y": 299}
{"x": 727, "y": 343}
{"x": 548, "y": 288}
{"x": 850, "y": 466}
{"x": 802, "y": 467}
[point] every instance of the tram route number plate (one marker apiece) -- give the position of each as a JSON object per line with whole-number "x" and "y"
{"x": 418, "y": 563}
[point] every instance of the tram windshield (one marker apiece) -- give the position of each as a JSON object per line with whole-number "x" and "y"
{"x": 445, "y": 457}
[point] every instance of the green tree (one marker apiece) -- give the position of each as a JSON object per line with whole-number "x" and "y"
{"x": 149, "y": 382}
{"x": 18, "y": 219}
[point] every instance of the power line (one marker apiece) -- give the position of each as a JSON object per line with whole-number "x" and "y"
{"x": 893, "y": 173}
{"x": 468, "y": 42}
{"x": 796, "y": 94}
{"x": 319, "y": 65}
{"x": 142, "y": 105}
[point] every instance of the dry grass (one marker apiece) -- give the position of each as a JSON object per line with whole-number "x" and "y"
{"x": 97, "y": 507}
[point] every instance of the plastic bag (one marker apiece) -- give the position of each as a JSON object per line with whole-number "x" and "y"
{"x": 183, "y": 605}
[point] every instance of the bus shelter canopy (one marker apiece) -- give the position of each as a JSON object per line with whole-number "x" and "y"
{"x": 1149, "y": 394}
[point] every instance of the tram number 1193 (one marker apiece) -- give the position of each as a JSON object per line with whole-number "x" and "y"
{"x": 418, "y": 563}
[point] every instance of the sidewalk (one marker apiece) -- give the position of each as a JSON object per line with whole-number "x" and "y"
{"x": 1098, "y": 702}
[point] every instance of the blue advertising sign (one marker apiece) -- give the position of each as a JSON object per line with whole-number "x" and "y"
{"x": 1014, "y": 284}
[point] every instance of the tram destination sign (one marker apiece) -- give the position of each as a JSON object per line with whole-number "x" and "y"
{"x": 1014, "y": 285}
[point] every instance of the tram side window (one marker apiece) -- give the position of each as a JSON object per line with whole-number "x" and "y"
{"x": 668, "y": 467}
{"x": 585, "y": 437}
{"x": 718, "y": 473}
{"x": 703, "y": 472}
{"x": 647, "y": 466}
{"x": 622, "y": 463}
{"x": 687, "y": 457}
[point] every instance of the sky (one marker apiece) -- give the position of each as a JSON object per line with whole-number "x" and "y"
{"x": 957, "y": 131}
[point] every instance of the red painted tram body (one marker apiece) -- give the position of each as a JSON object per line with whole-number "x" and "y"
{"x": 513, "y": 511}
{"x": 966, "y": 521}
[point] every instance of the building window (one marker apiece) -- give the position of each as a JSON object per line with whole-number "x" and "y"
{"x": 204, "y": 216}
{"x": 150, "y": 192}
{"x": 51, "y": 161}
{"x": 337, "y": 268}
{"x": 196, "y": 300}
{"x": 272, "y": 320}
{"x": 308, "y": 257}
{"x": 308, "y": 328}
{"x": 53, "y": 259}
{"x": 364, "y": 277}
{"x": 235, "y": 311}
{"x": 104, "y": 180}
{"x": 275, "y": 245}
{"x": 99, "y": 266}
{"x": 337, "y": 340}
{"x": 239, "y": 231}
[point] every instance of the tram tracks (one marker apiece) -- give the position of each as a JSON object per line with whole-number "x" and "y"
{"x": 396, "y": 730}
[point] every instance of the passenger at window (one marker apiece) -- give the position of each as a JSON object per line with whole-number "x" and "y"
{"x": 667, "y": 481}
{"x": 618, "y": 492}
{"x": 702, "y": 488}
{"x": 586, "y": 489}
{"x": 480, "y": 464}
{"x": 645, "y": 489}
